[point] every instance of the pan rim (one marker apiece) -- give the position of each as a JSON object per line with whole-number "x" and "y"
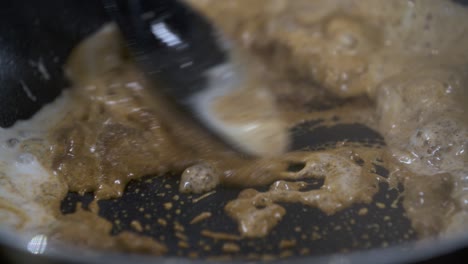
{"x": 408, "y": 252}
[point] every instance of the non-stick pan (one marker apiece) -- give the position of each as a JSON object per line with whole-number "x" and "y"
{"x": 50, "y": 29}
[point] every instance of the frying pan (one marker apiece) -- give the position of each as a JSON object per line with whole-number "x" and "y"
{"x": 33, "y": 30}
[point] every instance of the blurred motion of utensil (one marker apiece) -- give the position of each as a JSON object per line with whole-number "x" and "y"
{"x": 173, "y": 45}
{"x": 180, "y": 48}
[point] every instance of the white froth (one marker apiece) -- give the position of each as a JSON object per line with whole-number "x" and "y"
{"x": 22, "y": 176}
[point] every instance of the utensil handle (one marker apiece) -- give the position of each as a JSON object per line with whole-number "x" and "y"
{"x": 172, "y": 42}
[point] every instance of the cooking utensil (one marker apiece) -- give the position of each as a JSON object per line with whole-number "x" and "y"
{"x": 180, "y": 49}
{"x": 172, "y": 43}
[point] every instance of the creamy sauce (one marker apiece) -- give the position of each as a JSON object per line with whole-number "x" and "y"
{"x": 91, "y": 232}
{"x": 29, "y": 193}
{"x": 396, "y": 66}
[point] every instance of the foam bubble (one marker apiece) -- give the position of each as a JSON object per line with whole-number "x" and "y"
{"x": 23, "y": 207}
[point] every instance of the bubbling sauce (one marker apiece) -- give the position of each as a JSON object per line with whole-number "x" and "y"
{"x": 399, "y": 67}
{"x": 346, "y": 182}
{"x": 403, "y": 55}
